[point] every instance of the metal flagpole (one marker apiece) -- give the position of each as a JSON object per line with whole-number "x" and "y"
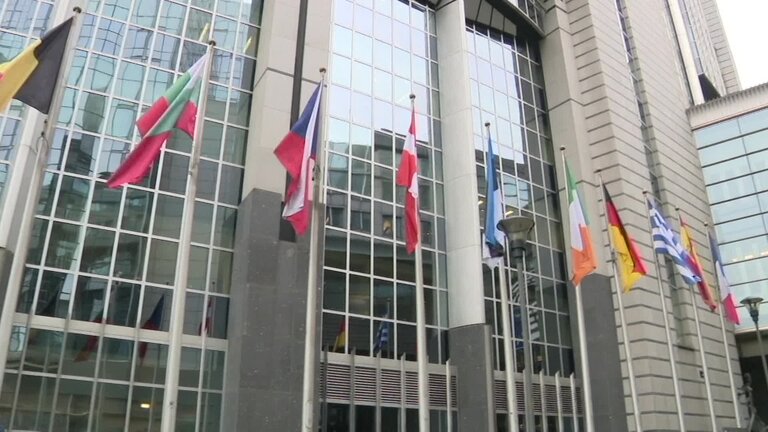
{"x": 352, "y": 373}
{"x": 525, "y": 316}
{"x": 403, "y": 398}
{"x": 308, "y": 423}
{"x": 586, "y": 385}
{"x": 324, "y": 413}
{"x": 543, "y": 402}
{"x": 622, "y": 318}
{"x": 448, "y": 397}
{"x": 560, "y": 425}
{"x": 574, "y": 404}
{"x": 421, "y": 332}
{"x": 506, "y": 333}
{"x": 378, "y": 392}
{"x": 734, "y": 395}
{"x": 32, "y": 191}
{"x": 170, "y": 401}
{"x": 667, "y": 329}
{"x": 702, "y": 352}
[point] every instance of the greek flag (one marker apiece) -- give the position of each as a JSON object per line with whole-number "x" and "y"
{"x": 666, "y": 241}
{"x": 382, "y": 335}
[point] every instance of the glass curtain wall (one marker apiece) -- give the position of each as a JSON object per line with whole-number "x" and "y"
{"x": 507, "y": 82}
{"x": 734, "y": 157}
{"x": 382, "y": 51}
{"x": 90, "y": 351}
{"x": 20, "y": 22}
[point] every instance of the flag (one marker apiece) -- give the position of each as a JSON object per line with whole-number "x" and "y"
{"x": 584, "y": 260}
{"x": 176, "y": 109}
{"x": 207, "y": 324}
{"x": 298, "y": 154}
{"x": 630, "y": 262}
{"x": 408, "y": 176}
{"x": 382, "y": 335}
{"x": 93, "y": 340}
{"x": 494, "y": 239}
{"x": 152, "y": 323}
{"x": 31, "y": 76}
{"x": 726, "y": 295}
{"x": 706, "y": 292}
{"x": 666, "y": 241}
{"x": 341, "y": 339}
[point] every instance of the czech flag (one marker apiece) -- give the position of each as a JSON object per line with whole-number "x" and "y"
{"x": 298, "y": 154}
{"x": 408, "y": 176}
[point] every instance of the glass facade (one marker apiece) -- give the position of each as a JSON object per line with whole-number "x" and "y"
{"x": 90, "y": 347}
{"x": 734, "y": 157}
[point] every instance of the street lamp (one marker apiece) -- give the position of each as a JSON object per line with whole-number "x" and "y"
{"x": 517, "y": 229}
{"x": 753, "y": 306}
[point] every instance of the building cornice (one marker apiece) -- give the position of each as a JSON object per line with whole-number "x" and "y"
{"x": 729, "y": 106}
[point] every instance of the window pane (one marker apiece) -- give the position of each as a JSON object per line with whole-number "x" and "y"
{"x": 168, "y": 215}
{"x": 62, "y": 246}
{"x": 97, "y": 251}
{"x": 161, "y": 267}
{"x": 123, "y": 304}
{"x": 110, "y": 408}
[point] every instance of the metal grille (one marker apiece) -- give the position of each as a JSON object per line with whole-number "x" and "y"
{"x": 550, "y": 397}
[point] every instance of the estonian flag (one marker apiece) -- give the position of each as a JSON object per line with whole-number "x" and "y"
{"x": 31, "y": 76}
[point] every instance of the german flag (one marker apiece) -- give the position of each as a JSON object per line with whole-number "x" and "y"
{"x": 629, "y": 261}
{"x": 31, "y": 76}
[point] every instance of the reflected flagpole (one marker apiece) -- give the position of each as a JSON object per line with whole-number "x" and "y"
{"x": 622, "y": 317}
{"x": 170, "y": 401}
{"x": 20, "y": 186}
{"x": 726, "y": 346}
{"x": 702, "y": 352}
{"x": 586, "y": 384}
{"x": 506, "y": 324}
{"x": 665, "y": 316}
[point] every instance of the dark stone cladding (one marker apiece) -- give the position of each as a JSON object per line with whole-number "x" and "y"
{"x": 470, "y": 347}
{"x": 265, "y": 362}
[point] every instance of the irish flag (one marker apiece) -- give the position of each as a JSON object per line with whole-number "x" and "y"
{"x": 176, "y": 109}
{"x": 584, "y": 261}
{"x": 408, "y": 176}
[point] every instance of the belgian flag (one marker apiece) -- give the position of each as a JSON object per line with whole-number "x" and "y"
{"x": 31, "y": 76}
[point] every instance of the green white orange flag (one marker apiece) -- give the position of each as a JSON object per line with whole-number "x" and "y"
{"x": 176, "y": 109}
{"x": 584, "y": 260}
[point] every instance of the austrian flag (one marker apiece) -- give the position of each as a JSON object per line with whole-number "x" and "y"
{"x": 408, "y": 176}
{"x": 298, "y": 154}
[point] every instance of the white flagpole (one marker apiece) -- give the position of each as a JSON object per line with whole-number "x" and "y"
{"x": 377, "y": 414}
{"x": 574, "y": 404}
{"x": 586, "y": 385}
{"x": 702, "y": 352}
{"x": 448, "y": 397}
{"x": 622, "y": 317}
{"x": 560, "y": 425}
{"x": 170, "y": 399}
{"x": 421, "y": 333}
{"x": 308, "y": 423}
{"x": 726, "y": 347}
{"x": 403, "y": 397}
{"x": 506, "y": 332}
{"x": 32, "y": 191}
{"x": 352, "y": 391}
{"x": 667, "y": 329}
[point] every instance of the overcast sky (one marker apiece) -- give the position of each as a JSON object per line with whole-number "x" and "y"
{"x": 747, "y": 29}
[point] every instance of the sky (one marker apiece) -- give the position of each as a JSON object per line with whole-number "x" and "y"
{"x": 747, "y": 31}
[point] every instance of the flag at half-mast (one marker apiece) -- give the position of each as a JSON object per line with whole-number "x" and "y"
{"x": 298, "y": 154}
{"x": 584, "y": 260}
{"x": 408, "y": 176}
{"x": 704, "y": 289}
{"x": 493, "y": 238}
{"x": 31, "y": 76}
{"x": 726, "y": 294}
{"x": 629, "y": 261}
{"x": 176, "y": 109}
{"x": 666, "y": 241}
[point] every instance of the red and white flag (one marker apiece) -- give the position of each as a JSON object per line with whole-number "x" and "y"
{"x": 408, "y": 176}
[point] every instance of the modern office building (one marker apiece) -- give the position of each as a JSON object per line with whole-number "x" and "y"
{"x": 732, "y": 137}
{"x": 610, "y": 80}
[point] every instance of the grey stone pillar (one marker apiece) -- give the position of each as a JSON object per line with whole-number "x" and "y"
{"x": 471, "y": 354}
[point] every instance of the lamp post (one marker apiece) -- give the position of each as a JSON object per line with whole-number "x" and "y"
{"x": 753, "y": 306}
{"x": 517, "y": 229}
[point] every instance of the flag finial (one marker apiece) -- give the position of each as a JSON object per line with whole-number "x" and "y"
{"x": 77, "y": 10}
{"x": 322, "y": 70}
{"x": 412, "y": 96}
{"x": 562, "y": 148}
{"x": 212, "y": 43}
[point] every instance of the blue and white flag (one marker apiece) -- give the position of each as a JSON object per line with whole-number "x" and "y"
{"x": 382, "y": 335}
{"x": 666, "y": 241}
{"x": 493, "y": 237}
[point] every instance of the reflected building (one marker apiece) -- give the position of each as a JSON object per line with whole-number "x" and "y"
{"x": 732, "y": 139}
{"x": 608, "y": 80}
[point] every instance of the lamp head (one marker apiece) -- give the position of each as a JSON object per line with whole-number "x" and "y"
{"x": 753, "y": 306}
{"x": 517, "y": 229}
